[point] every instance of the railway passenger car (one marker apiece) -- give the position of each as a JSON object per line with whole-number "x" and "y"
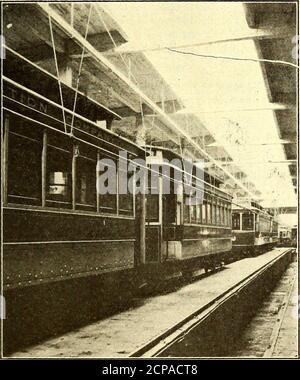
{"x": 287, "y": 236}
{"x": 284, "y": 236}
{"x": 56, "y": 226}
{"x": 60, "y": 236}
{"x": 254, "y": 230}
{"x": 180, "y": 235}
{"x": 274, "y": 232}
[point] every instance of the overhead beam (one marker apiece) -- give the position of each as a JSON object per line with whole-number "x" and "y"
{"x": 40, "y": 52}
{"x": 286, "y": 210}
{"x": 268, "y": 107}
{"x": 287, "y": 162}
{"x": 100, "y": 41}
{"x": 125, "y": 111}
{"x": 43, "y": 51}
{"x": 279, "y": 32}
{"x": 101, "y": 85}
{"x": 27, "y": 17}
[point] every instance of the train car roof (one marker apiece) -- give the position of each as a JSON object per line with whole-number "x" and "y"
{"x": 169, "y": 154}
{"x": 242, "y": 208}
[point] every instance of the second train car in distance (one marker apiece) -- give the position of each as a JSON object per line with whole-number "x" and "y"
{"x": 181, "y": 236}
{"x": 254, "y": 230}
{"x": 287, "y": 236}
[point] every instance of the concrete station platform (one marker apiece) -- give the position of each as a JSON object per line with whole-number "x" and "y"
{"x": 122, "y": 334}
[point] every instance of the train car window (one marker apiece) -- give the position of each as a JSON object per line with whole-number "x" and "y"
{"x": 247, "y": 221}
{"x": 152, "y": 200}
{"x": 126, "y": 204}
{"x": 59, "y": 172}
{"x": 24, "y": 163}
{"x": 126, "y": 201}
{"x": 108, "y": 203}
{"x": 193, "y": 213}
{"x": 213, "y": 213}
{"x": 152, "y": 209}
{"x": 108, "y": 200}
{"x": 204, "y": 212}
{"x": 225, "y": 215}
{"x": 236, "y": 221}
{"x": 222, "y": 214}
{"x": 218, "y": 214}
{"x": 169, "y": 206}
{"x": 86, "y": 180}
{"x": 198, "y": 213}
{"x": 186, "y": 210}
{"x": 208, "y": 207}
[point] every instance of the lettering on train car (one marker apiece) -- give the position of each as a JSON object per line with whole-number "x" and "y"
{"x": 12, "y": 93}
{"x": 26, "y": 99}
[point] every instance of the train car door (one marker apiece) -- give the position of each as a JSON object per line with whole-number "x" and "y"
{"x": 153, "y": 222}
{"x": 179, "y": 206}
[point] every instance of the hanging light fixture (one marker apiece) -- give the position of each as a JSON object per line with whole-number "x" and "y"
{"x": 76, "y": 150}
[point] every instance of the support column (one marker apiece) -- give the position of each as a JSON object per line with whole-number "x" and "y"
{"x": 97, "y": 195}
{"x": 142, "y": 227}
{"x": 140, "y": 131}
{"x": 74, "y": 158}
{"x": 44, "y": 168}
{"x": 5, "y": 159}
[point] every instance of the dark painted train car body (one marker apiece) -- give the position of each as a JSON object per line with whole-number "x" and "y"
{"x": 287, "y": 236}
{"x": 63, "y": 243}
{"x": 56, "y": 226}
{"x": 181, "y": 236}
{"x": 253, "y": 229}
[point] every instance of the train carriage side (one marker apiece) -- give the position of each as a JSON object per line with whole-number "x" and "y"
{"x": 274, "y": 233}
{"x": 253, "y": 229}
{"x": 51, "y": 204}
{"x": 207, "y": 228}
{"x": 59, "y": 233}
{"x": 244, "y": 224}
{"x": 263, "y": 234}
{"x": 184, "y": 236}
{"x": 287, "y": 236}
{"x": 284, "y": 236}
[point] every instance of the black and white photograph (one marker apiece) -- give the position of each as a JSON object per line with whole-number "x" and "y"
{"x": 149, "y": 182}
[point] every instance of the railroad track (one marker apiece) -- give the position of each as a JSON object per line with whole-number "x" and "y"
{"x": 277, "y": 326}
{"x": 174, "y": 339}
